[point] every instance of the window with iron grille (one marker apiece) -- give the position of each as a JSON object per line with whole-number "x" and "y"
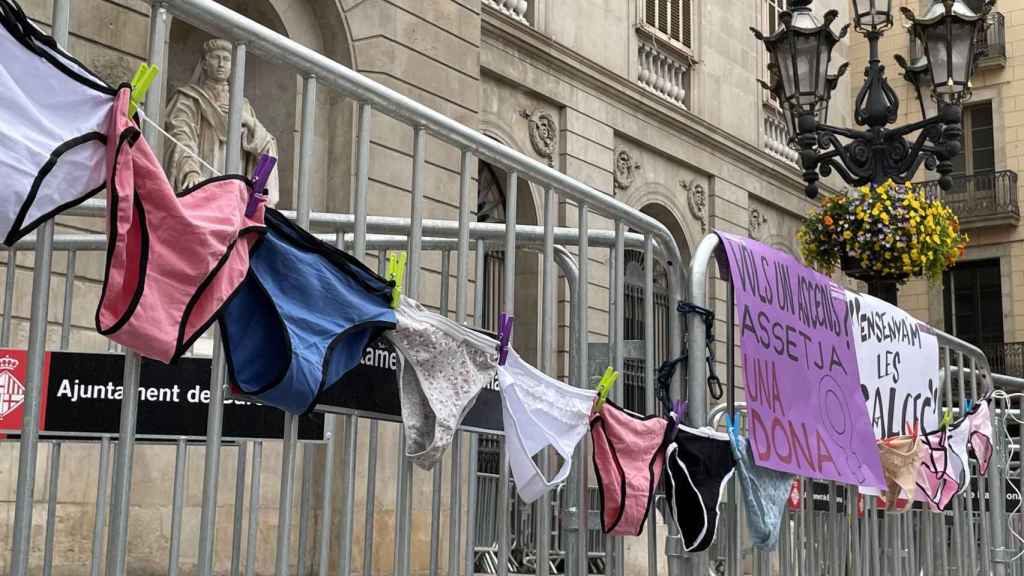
{"x": 672, "y": 19}
{"x": 634, "y": 391}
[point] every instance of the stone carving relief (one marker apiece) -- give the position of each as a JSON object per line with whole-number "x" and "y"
{"x": 697, "y": 200}
{"x": 197, "y": 117}
{"x": 625, "y": 169}
{"x": 543, "y": 133}
{"x": 757, "y": 220}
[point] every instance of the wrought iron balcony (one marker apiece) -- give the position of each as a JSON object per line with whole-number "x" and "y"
{"x": 991, "y": 43}
{"x": 980, "y": 200}
{"x": 1005, "y": 358}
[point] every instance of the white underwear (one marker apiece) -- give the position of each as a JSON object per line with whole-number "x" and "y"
{"x": 540, "y": 411}
{"x": 450, "y": 364}
{"x": 54, "y": 115}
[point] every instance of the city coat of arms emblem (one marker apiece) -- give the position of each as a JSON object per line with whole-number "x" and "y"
{"x": 12, "y": 391}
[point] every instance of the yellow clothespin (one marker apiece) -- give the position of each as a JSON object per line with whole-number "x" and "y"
{"x": 141, "y": 81}
{"x": 396, "y": 274}
{"x": 605, "y": 386}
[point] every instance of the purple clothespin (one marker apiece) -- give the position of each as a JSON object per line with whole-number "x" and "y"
{"x": 679, "y": 407}
{"x": 504, "y": 334}
{"x": 260, "y": 175}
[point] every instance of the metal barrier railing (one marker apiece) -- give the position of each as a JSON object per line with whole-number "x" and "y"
{"x": 652, "y": 238}
{"x": 836, "y": 540}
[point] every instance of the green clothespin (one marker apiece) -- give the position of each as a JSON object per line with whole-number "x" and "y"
{"x": 605, "y": 386}
{"x": 396, "y": 274}
{"x": 947, "y": 418}
{"x": 141, "y": 82}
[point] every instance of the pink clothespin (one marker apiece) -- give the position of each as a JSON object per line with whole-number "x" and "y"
{"x": 260, "y": 175}
{"x": 504, "y": 335}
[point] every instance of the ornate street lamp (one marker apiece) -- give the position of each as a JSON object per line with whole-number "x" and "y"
{"x": 800, "y": 52}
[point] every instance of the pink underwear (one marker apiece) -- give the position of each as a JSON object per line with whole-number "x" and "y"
{"x": 172, "y": 260}
{"x": 629, "y": 454}
{"x": 980, "y": 438}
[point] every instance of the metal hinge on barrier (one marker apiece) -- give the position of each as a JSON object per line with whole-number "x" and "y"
{"x": 570, "y": 520}
{"x": 674, "y": 547}
{"x": 1002, "y": 555}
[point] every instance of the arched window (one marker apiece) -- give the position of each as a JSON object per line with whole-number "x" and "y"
{"x": 634, "y": 395}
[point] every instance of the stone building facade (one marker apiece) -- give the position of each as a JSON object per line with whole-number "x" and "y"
{"x": 982, "y": 299}
{"x": 653, "y": 101}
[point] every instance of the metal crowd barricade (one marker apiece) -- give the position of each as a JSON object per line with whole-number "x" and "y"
{"x": 831, "y": 537}
{"x": 569, "y": 529}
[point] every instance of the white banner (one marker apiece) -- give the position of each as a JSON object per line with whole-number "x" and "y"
{"x": 899, "y": 366}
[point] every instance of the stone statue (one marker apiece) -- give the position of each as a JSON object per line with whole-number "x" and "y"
{"x": 197, "y": 117}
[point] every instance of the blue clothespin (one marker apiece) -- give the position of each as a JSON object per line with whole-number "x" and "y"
{"x": 730, "y": 426}
{"x": 260, "y": 175}
{"x": 504, "y": 335}
{"x": 967, "y": 408}
{"x": 141, "y": 81}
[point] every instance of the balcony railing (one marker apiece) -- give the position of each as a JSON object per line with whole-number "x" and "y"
{"x": 988, "y": 199}
{"x": 991, "y": 43}
{"x": 1005, "y": 358}
{"x": 515, "y": 9}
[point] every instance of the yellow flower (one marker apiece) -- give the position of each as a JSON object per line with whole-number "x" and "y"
{"x": 847, "y": 235}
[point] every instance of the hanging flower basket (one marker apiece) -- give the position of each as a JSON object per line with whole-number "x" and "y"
{"x": 888, "y": 233}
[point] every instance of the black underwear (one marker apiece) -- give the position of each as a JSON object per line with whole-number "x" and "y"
{"x": 698, "y": 465}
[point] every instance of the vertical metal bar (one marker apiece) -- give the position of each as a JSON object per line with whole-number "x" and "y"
{"x": 403, "y": 507}
{"x": 509, "y": 306}
{"x": 29, "y": 445}
{"x": 236, "y": 532}
{"x": 291, "y": 422}
{"x": 435, "y": 501}
{"x": 284, "y": 512}
{"x": 927, "y": 523}
{"x": 102, "y": 482}
{"x": 371, "y": 485}
{"x": 69, "y": 299}
{"x": 582, "y": 331}
{"x": 471, "y": 497}
{"x": 251, "y": 543}
{"x": 997, "y": 500}
{"x": 461, "y": 286}
{"x": 305, "y": 504}
{"x": 218, "y": 369}
{"x": 307, "y": 148}
{"x": 51, "y": 507}
{"x": 732, "y": 509}
{"x": 117, "y": 541}
{"x": 327, "y": 493}
{"x": 619, "y": 321}
{"x": 649, "y": 360}
{"x": 178, "y": 506}
{"x": 462, "y": 257}
{"x": 362, "y": 178}
{"x": 10, "y": 278}
{"x": 474, "y": 444}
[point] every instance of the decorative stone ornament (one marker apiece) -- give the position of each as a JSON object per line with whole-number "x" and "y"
{"x": 625, "y": 169}
{"x": 543, "y": 133}
{"x": 757, "y": 219}
{"x": 697, "y": 200}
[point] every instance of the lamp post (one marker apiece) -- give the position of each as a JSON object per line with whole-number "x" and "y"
{"x": 800, "y": 52}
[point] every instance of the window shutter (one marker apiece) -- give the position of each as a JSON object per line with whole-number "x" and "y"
{"x": 674, "y": 22}
{"x": 652, "y": 12}
{"x": 663, "y": 16}
{"x": 686, "y": 34}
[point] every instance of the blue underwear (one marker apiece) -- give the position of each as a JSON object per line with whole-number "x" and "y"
{"x": 302, "y": 317}
{"x": 764, "y": 492}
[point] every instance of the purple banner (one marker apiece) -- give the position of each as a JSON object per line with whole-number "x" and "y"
{"x": 806, "y": 410}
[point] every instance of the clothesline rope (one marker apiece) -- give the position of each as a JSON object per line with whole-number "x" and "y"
{"x": 181, "y": 145}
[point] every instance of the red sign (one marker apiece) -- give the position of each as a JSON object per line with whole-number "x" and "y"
{"x": 13, "y": 364}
